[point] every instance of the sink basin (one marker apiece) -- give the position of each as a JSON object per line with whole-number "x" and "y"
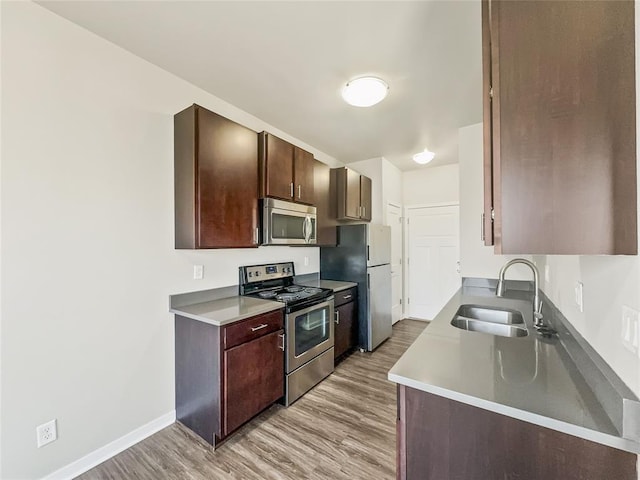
{"x": 503, "y": 316}
{"x": 500, "y": 329}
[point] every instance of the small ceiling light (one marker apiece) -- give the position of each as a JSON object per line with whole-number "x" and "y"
{"x": 423, "y": 157}
{"x": 365, "y": 91}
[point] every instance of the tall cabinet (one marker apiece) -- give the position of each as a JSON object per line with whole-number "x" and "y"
{"x": 560, "y": 129}
{"x": 215, "y": 181}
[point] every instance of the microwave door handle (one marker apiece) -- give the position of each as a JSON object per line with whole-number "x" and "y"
{"x": 307, "y": 229}
{"x": 304, "y": 228}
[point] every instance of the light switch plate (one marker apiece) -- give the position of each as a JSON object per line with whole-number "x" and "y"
{"x": 547, "y": 273}
{"x": 629, "y": 333}
{"x": 579, "y": 296}
{"x": 198, "y": 272}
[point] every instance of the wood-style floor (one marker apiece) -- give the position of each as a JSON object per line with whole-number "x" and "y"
{"x": 345, "y": 428}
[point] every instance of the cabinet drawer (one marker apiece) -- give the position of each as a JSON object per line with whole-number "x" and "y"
{"x": 345, "y": 296}
{"x": 251, "y": 328}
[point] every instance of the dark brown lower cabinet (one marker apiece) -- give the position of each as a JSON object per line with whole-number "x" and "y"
{"x": 346, "y": 322}
{"x": 438, "y": 439}
{"x": 227, "y": 375}
{"x": 253, "y": 378}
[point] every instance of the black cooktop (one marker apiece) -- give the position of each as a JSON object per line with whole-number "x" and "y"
{"x": 275, "y": 282}
{"x": 293, "y": 293}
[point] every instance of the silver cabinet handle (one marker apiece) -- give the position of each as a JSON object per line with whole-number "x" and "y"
{"x": 347, "y": 297}
{"x": 259, "y": 327}
{"x": 291, "y": 187}
{"x": 256, "y": 235}
{"x": 281, "y": 337}
{"x": 482, "y": 227}
{"x": 364, "y": 212}
{"x": 299, "y": 191}
{"x": 337, "y": 313}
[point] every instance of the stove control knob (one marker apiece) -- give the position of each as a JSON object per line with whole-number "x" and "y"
{"x": 257, "y": 274}
{"x": 250, "y": 274}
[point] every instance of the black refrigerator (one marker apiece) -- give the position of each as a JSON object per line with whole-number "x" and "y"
{"x": 363, "y": 256}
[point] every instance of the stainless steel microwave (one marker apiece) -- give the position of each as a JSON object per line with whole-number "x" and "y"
{"x": 287, "y": 223}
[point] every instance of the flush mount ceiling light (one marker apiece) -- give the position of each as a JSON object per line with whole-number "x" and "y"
{"x": 423, "y": 157}
{"x": 365, "y": 91}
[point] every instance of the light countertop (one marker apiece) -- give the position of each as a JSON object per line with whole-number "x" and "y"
{"x": 528, "y": 378}
{"x": 335, "y": 285}
{"x": 226, "y": 310}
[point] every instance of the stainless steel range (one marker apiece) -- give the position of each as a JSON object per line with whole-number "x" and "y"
{"x": 308, "y": 323}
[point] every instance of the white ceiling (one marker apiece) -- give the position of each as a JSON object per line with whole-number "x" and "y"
{"x": 285, "y": 62}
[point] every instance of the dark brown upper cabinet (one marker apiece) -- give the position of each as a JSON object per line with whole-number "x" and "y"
{"x": 353, "y": 194}
{"x": 326, "y": 232}
{"x": 286, "y": 171}
{"x": 215, "y": 181}
{"x": 560, "y": 128}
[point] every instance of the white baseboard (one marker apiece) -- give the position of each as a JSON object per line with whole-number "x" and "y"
{"x": 112, "y": 449}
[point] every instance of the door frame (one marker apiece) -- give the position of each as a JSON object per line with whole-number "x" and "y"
{"x": 405, "y": 253}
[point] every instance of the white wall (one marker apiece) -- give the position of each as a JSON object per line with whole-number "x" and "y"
{"x": 609, "y": 283}
{"x": 392, "y": 185}
{"x": 431, "y": 185}
{"x": 87, "y": 238}
{"x": 477, "y": 260}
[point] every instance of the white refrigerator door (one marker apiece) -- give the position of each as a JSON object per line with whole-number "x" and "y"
{"x": 379, "y": 300}
{"x": 378, "y": 245}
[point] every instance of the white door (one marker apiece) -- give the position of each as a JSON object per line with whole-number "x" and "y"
{"x": 394, "y": 220}
{"x": 433, "y": 260}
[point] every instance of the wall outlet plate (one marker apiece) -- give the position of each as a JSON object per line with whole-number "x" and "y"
{"x": 46, "y": 433}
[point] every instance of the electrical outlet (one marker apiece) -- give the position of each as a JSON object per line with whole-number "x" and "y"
{"x": 630, "y": 334}
{"x": 198, "y": 272}
{"x": 579, "y": 296}
{"x": 46, "y": 433}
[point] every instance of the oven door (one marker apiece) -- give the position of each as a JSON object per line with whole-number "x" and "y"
{"x": 287, "y": 223}
{"x": 309, "y": 333}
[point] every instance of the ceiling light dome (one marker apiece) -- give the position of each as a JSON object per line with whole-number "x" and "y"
{"x": 365, "y": 91}
{"x": 423, "y": 157}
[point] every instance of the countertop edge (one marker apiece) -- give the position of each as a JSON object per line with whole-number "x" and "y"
{"x": 529, "y": 417}
{"x": 345, "y": 287}
{"x": 220, "y": 323}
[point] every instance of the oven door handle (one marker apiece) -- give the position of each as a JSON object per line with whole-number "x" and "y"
{"x": 315, "y": 306}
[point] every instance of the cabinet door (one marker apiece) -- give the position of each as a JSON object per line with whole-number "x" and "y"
{"x": 303, "y": 176}
{"x": 215, "y": 181}
{"x": 276, "y": 158}
{"x": 345, "y": 328}
{"x": 326, "y": 233}
{"x": 227, "y": 188}
{"x": 365, "y": 198}
{"x": 563, "y": 127}
{"x": 487, "y": 220}
{"x": 253, "y": 378}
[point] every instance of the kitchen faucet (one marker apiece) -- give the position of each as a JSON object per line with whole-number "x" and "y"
{"x": 537, "y": 304}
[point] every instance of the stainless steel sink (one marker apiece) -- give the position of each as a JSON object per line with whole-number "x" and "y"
{"x": 503, "y": 316}
{"x": 500, "y": 329}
